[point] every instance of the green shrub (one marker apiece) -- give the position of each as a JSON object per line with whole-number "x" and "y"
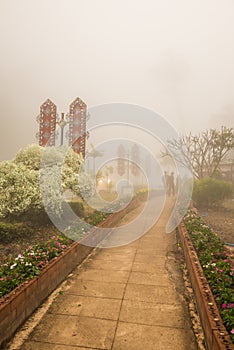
{"x": 19, "y": 189}
{"x": 209, "y": 192}
{"x": 35, "y": 216}
{"x": 10, "y": 232}
{"x": 96, "y": 217}
{"x": 30, "y": 157}
{"x": 78, "y": 208}
{"x": 40, "y": 217}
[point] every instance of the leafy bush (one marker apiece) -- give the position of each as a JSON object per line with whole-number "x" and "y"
{"x": 78, "y": 230}
{"x": 19, "y": 189}
{"x": 96, "y": 217}
{"x": 38, "y": 174}
{"x": 217, "y": 264}
{"x": 30, "y": 157}
{"x": 210, "y": 192}
{"x": 35, "y": 216}
{"x": 50, "y": 188}
{"x": 78, "y": 208}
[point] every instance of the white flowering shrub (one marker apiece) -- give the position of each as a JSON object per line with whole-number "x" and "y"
{"x": 51, "y": 190}
{"x": 70, "y": 170}
{"x": 69, "y": 162}
{"x": 86, "y": 185}
{"x": 73, "y": 160}
{"x": 19, "y": 189}
{"x": 30, "y": 156}
{"x": 35, "y": 171}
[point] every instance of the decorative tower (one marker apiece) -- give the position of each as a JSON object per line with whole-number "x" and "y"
{"x": 47, "y": 122}
{"x": 77, "y": 126}
{"x": 76, "y": 121}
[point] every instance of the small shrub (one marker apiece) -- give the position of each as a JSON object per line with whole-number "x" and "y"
{"x": 10, "y": 232}
{"x": 96, "y": 217}
{"x": 209, "y": 192}
{"x": 40, "y": 217}
{"x": 19, "y": 189}
{"x": 37, "y": 217}
{"x": 77, "y": 231}
{"x": 78, "y": 208}
{"x": 30, "y": 157}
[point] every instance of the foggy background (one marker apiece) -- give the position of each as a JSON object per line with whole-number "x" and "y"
{"x": 173, "y": 56}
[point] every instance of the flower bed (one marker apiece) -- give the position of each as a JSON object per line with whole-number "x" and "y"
{"x": 29, "y": 264}
{"x": 218, "y": 266}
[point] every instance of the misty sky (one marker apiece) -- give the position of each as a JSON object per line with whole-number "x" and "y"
{"x": 173, "y": 56}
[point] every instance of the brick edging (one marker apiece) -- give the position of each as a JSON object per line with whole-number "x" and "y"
{"x": 216, "y": 335}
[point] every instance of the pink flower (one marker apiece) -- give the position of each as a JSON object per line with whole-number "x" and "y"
{"x": 224, "y": 306}
{"x": 232, "y": 331}
{"x": 230, "y": 305}
{"x": 41, "y": 263}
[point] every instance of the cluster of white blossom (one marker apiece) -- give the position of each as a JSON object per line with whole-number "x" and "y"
{"x": 25, "y": 179}
{"x": 19, "y": 189}
{"x": 86, "y": 185}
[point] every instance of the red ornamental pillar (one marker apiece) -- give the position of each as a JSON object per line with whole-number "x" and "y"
{"x": 77, "y": 126}
{"x": 48, "y": 111}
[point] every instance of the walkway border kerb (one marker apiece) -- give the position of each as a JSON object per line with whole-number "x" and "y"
{"x": 216, "y": 335}
{"x": 18, "y": 305}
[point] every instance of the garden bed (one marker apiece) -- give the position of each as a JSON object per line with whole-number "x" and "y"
{"x": 216, "y": 273}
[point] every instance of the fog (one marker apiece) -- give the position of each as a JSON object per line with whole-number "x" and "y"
{"x": 173, "y": 56}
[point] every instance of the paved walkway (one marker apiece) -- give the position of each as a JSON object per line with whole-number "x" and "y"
{"x": 121, "y": 298}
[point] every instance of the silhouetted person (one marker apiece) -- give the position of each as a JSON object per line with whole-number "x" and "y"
{"x": 166, "y": 181}
{"x": 171, "y": 184}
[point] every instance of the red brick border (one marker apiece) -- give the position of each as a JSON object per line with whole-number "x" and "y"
{"x": 216, "y": 335}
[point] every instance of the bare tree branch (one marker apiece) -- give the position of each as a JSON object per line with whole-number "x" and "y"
{"x": 201, "y": 153}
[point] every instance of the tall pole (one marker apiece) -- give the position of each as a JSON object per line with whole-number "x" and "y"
{"x": 128, "y": 165}
{"x": 62, "y": 123}
{"x": 62, "y": 127}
